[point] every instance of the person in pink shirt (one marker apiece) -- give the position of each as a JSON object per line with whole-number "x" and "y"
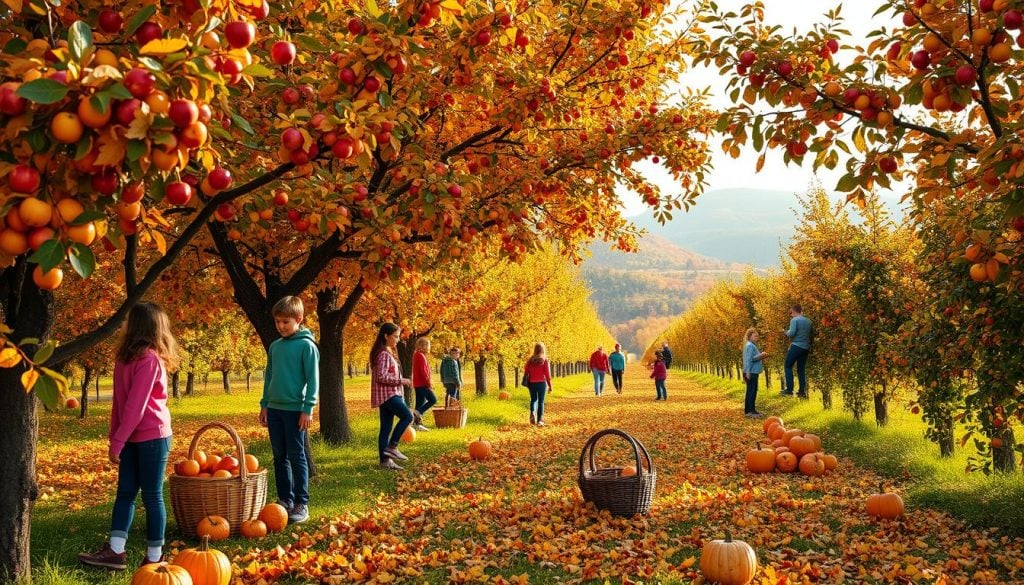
{"x": 659, "y": 372}
{"x": 421, "y": 383}
{"x": 140, "y": 433}
{"x": 599, "y": 367}
{"x": 386, "y": 394}
{"x": 537, "y": 374}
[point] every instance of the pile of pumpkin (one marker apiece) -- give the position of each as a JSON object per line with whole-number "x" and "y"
{"x": 191, "y": 566}
{"x": 790, "y": 450}
{"x": 216, "y": 465}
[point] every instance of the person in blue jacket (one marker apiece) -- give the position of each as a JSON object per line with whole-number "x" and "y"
{"x": 617, "y": 361}
{"x": 799, "y": 334}
{"x": 753, "y": 365}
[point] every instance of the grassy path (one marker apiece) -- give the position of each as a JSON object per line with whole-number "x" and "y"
{"x": 518, "y": 517}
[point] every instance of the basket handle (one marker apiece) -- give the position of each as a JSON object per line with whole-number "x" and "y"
{"x": 243, "y": 471}
{"x": 588, "y": 452}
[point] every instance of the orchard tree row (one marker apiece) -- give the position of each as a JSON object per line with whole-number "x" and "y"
{"x": 885, "y": 328}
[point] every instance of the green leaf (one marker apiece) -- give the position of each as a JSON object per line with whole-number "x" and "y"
{"x": 100, "y": 101}
{"x": 310, "y": 43}
{"x": 258, "y": 70}
{"x": 82, "y": 260}
{"x": 43, "y": 91}
{"x": 151, "y": 63}
{"x": 383, "y": 68}
{"x": 79, "y": 39}
{"x": 58, "y": 378}
{"x": 47, "y": 391}
{"x": 28, "y": 341}
{"x": 44, "y": 352}
{"x": 87, "y": 216}
{"x": 37, "y": 139}
{"x": 136, "y": 148}
{"x": 15, "y": 46}
{"x": 241, "y": 123}
{"x": 847, "y": 183}
{"x": 140, "y": 17}
{"x": 83, "y": 147}
{"x": 384, "y": 99}
{"x": 118, "y": 91}
{"x": 48, "y": 256}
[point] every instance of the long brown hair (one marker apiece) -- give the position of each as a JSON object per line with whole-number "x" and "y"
{"x": 540, "y": 353}
{"x": 381, "y": 343}
{"x": 148, "y": 328}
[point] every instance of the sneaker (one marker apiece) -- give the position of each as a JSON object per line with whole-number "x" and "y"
{"x": 146, "y": 561}
{"x": 394, "y": 453}
{"x": 300, "y": 513}
{"x": 285, "y": 504}
{"x": 533, "y": 418}
{"x": 420, "y": 428}
{"x": 105, "y": 558}
{"x": 390, "y": 465}
{"x": 540, "y": 423}
{"x": 417, "y": 418}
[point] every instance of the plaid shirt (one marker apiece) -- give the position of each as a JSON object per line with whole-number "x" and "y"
{"x": 387, "y": 379}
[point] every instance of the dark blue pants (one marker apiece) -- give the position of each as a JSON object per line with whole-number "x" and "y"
{"x": 142, "y": 468}
{"x": 617, "y": 379}
{"x": 391, "y": 433}
{"x": 291, "y": 467}
{"x": 659, "y": 386}
{"x": 751, "y": 397}
{"x": 453, "y": 391}
{"x": 796, "y": 355}
{"x": 538, "y": 390}
{"x": 424, "y": 399}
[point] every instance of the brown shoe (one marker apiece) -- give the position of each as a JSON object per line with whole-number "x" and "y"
{"x": 105, "y": 558}
{"x": 146, "y": 561}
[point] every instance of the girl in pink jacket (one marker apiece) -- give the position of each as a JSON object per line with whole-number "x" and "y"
{"x": 140, "y": 433}
{"x": 659, "y": 372}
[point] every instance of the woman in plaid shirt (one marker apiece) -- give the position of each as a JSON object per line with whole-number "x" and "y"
{"x": 386, "y": 394}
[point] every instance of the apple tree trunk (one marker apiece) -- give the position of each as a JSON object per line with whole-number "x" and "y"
{"x": 86, "y": 380}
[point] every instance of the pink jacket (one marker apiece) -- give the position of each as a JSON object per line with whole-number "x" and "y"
{"x": 660, "y": 372}
{"x": 140, "y": 402}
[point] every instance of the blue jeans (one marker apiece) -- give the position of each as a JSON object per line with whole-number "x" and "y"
{"x": 391, "y": 433}
{"x": 453, "y": 391}
{"x": 598, "y": 381}
{"x": 751, "y": 397}
{"x": 538, "y": 390}
{"x": 291, "y": 467}
{"x": 659, "y": 387}
{"x": 796, "y": 355}
{"x": 424, "y": 399}
{"x": 142, "y": 468}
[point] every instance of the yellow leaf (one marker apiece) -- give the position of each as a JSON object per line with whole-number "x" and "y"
{"x": 452, "y": 5}
{"x": 163, "y": 46}
{"x": 9, "y": 357}
{"x": 760, "y": 163}
{"x": 29, "y": 378}
{"x": 112, "y": 152}
{"x": 372, "y": 9}
{"x": 688, "y": 563}
{"x": 14, "y": 5}
{"x": 101, "y": 73}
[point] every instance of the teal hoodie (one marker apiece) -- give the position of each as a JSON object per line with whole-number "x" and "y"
{"x": 292, "y": 378}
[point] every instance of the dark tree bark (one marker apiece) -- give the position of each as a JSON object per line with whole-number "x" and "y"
{"x": 1004, "y": 457}
{"x": 29, "y": 313}
{"x": 502, "y": 382}
{"x": 227, "y": 383}
{"x": 826, "y": 397}
{"x": 175, "y": 390}
{"x": 882, "y": 407}
{"x": 190, "y": 384}
{"x": 248, "y": 381}
{"x": 480, "y": 375}
{"x": 944, "y": 434}
{"x": 334, "y": 424}
{"x": 86, "y": 380}
{"x": 406, "y": 349}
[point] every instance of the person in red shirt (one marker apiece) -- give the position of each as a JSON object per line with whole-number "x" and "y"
{"x": 538, "y": 379}
{"x": 659, "y": 372}
{"x": 425, "y": 397}
{"x": 599, "y": 367}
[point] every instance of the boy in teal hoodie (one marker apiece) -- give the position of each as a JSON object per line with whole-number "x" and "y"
{"x": 290, "y": 386}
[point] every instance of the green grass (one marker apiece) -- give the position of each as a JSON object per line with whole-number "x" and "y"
{"x": 347, "y": 479}
{"x": 901, "y": 452}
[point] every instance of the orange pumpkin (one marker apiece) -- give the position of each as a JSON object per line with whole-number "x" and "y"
{"x": 187, "y": 467}
{"x": 771, "y": 420}
{"x": 206, "y": 566}
{"x": 768, "y": 430}
{"x": 781, "y": 449}
{"x": 812, "y": 465}
{"x": 479, "y": 449}
{"x": 816, "y": 439}
{"x": 409, "y": 435}
{"x": 161, "y": 574}
{"x": 275, "y": 517}
{"x": 778, "y": 443}
{"x": 786, "y": 462}
{"x": 222, "y": 474}
{"x": 504, "y": 395}
{"x": 761, "y": 460}
{"x": 253, "y": 529}
{"x": 830, "y": 462}
{"x": 252, "y": 464}
{"x": 728, "y": 562}
{"x": 801, "y": 446}
{"x": 777, "y": 433}
{"x": 628, "y": 471}
{"x": 216, "y": 527}
{"x": 886, "y": 506}
{"x": 200, "y": 456}
{"x": 212, "y": 461}
{"x": 789, "y": 434}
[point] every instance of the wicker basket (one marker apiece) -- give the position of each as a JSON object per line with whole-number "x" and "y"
{"x": 452, "y": 416}
{"x": 608, "y": 489}
{"x": 237, "y": 499}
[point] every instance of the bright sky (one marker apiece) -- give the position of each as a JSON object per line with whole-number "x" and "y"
{"x": 729, "y": 173}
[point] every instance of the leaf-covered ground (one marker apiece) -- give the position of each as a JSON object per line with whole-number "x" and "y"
{"x": 518, "y": 517}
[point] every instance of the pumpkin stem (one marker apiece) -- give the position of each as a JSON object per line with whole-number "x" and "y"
{"x": 881, "y": 488}
{"x": 728, "y": 535}
{"x": 757, "y": 445}
{"x": 204, "y": 543}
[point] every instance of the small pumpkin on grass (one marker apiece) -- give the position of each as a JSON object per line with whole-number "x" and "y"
{"x": 771, "y": 420}
{"x": 830, "y": 461}
{"x": 480, "y": 449}
{"x": 216, "y": 527}
{"x": 275, "y": 517}
{"x": 812, "y": 465}
{"x": 409, "y": 435}
{"x": 504, "y": 395}
{"x": 761, "y": 459}
{"x": 884, "y": 505}
{"x": 253, "y": 529}
{"x": 162, "y": 574}
{"x": 205, "y": 565}
{"x": 728, "y": 562}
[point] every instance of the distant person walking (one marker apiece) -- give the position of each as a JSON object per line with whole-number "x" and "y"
{"x": 659, "y": 372}
{"x": 387, "y": 395}
{"x": 666, "y": 354}
{"x": 451, "y": 373}
{"x": 538, "y": 379}
{"x": 617, "y": 361}
{"x": 421, "y": 383}
{"x": 599, "y": 367}
{"x": 753, "y": 365}
{"x": 799, "y": 334}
